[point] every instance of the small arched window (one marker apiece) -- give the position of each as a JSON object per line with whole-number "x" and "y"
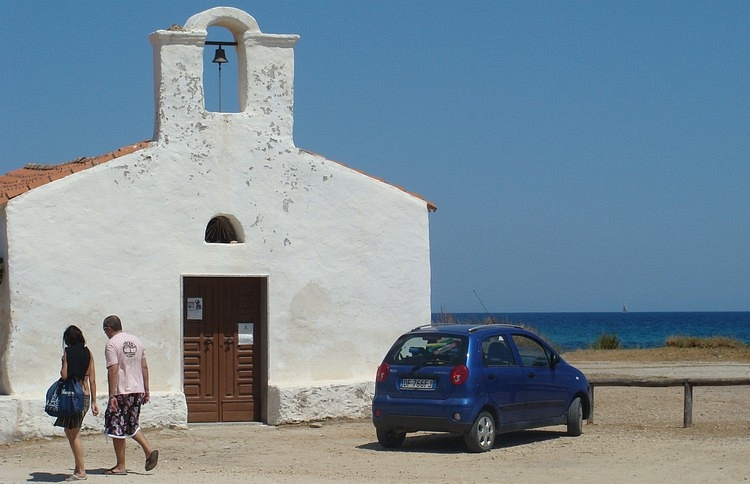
{"x": 223, "y": 230}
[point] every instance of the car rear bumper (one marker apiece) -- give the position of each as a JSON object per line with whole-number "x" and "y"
{"x": 409, "y": 423}
{"x": 454, "y": 416}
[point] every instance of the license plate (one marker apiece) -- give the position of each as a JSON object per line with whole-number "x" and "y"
{"x": 417, "y": 384}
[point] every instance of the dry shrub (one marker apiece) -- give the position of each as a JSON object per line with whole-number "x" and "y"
{"x": 709, "y": 342}
{"x": 607, "y": 341}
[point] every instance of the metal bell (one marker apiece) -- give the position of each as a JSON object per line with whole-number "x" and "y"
{"x": 220, "y": 57}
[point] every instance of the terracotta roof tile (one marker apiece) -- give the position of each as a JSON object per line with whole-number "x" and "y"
{"x": 15, "y": 191}
{"x": 33, "y": 175}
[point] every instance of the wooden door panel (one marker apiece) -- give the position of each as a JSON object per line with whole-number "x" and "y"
{"x": 202, "y": 412}
{"x": 237, "y": 411}
{"x": 245, "y": 376}
{"x": 199, "y": 359}
{"x": 221, "y": 377}
{"x": 247, "y": 355}
{"x": 201, "y": 400}
{"x": 197, "y": 362}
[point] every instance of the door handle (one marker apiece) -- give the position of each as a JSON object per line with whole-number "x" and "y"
{"x": 208, "y": 342}
{"x": 531, "y": 374}
{"x": 228, "y": 340}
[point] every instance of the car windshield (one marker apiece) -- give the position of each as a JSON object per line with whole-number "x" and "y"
{"x": 428, "y": 349}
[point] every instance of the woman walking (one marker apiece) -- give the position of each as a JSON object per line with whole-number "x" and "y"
{"x": 78, "y": 363}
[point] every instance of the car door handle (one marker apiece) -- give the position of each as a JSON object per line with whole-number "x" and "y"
{"x": 531, "y": 374}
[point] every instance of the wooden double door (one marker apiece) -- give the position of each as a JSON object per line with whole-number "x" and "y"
{"x": 222, "y": 318}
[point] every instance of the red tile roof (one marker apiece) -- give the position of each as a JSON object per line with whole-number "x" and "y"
{"x": 33, "y": 175}
{"x": 20, "y": 181}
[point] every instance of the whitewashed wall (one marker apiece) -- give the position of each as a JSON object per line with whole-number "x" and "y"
{"x": 346, "y": 255}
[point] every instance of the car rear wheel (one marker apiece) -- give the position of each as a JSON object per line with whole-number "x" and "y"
{"x": 390, "y": 440}
{"x": 575, "y": 418}
{"x": 481, "y": 436}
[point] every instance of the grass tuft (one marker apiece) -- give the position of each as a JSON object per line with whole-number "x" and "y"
{"x": 607, "y": 341}
{"x": 709, "y": 342}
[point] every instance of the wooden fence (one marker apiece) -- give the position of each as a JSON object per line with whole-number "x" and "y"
{"x": 686, "y": 383}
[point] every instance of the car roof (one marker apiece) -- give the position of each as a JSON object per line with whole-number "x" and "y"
{"x": 464, "y": 328}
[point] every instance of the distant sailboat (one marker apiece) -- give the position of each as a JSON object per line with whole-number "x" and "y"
{"x": 624, "y": 308}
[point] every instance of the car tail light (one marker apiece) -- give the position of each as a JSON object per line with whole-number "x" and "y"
{"x": 459, "y": 374}
{"x": 382, "y": 373}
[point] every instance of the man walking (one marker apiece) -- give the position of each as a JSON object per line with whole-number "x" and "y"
{"x": 127, "y": 374}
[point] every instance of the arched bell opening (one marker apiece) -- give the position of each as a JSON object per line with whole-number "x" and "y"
{"x": 221, "y": 71}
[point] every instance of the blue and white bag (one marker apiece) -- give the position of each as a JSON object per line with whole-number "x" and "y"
{"x": 64, "y": 398}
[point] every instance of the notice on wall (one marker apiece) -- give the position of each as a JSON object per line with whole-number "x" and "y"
{"x": 195, "y": 308}
{"x": 245, "y": 333}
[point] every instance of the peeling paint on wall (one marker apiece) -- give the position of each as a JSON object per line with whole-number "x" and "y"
{"x": 343, "y": 252}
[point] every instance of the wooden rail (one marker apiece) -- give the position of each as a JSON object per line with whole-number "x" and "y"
{"x": 686, "y": 383}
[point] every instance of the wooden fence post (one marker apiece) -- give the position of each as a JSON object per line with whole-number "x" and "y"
{"x": 687, "y": 419}
{"x": 686, "y": 383}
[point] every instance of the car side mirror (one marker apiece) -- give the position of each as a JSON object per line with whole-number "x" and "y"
{"x": 554, "y": 360}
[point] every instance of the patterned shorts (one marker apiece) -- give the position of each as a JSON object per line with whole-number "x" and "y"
{"x": 124, "y": 422}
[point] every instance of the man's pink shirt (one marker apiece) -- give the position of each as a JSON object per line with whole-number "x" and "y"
{"x": 126, "y": 351}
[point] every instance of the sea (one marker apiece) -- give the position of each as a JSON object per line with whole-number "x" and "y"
{"x": 571, "y": 331}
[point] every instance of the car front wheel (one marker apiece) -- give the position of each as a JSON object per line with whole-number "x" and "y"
{"x": 481, "y": 437}
{"x": 575, "y": 418}
{"x": 390, "y": 440}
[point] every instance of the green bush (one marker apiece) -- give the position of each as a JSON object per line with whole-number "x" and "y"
{"x": 607, "y": 341}
{"x": 708, "y": 342}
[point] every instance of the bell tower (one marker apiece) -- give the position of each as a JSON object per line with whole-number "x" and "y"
{"x": 265, "y": 79}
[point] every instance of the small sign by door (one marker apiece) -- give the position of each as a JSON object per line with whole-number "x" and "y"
{"x": 245, "y": 333}
{"x": 195, "y": 308}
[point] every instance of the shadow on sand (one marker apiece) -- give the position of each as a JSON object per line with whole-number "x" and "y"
{"x": 57, "y": 477}
{"x": 442, "y": 443}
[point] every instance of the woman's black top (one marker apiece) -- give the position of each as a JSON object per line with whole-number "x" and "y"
{"x": 78, "y": 358}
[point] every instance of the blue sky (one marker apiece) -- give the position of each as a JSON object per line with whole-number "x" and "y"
{"x": 582, "y": 154}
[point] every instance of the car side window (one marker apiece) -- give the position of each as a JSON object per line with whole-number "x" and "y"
{"x": 532, "y": 353}
{"x": 496, "y": 352}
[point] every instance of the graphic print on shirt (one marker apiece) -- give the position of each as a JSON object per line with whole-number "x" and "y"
{"x": 129, "y": 349}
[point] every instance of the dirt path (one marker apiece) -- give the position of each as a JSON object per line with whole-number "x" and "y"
{"x": 638, "y": 437}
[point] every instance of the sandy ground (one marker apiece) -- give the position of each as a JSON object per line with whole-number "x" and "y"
{"x": 637, "y": 437}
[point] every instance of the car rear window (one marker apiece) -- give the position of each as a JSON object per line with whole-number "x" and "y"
{"x": 416, "y": 349}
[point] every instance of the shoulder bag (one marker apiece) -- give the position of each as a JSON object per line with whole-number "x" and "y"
{"x": 64, "y": 398}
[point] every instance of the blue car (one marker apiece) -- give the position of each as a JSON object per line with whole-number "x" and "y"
{"x": 476, "y": 381}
